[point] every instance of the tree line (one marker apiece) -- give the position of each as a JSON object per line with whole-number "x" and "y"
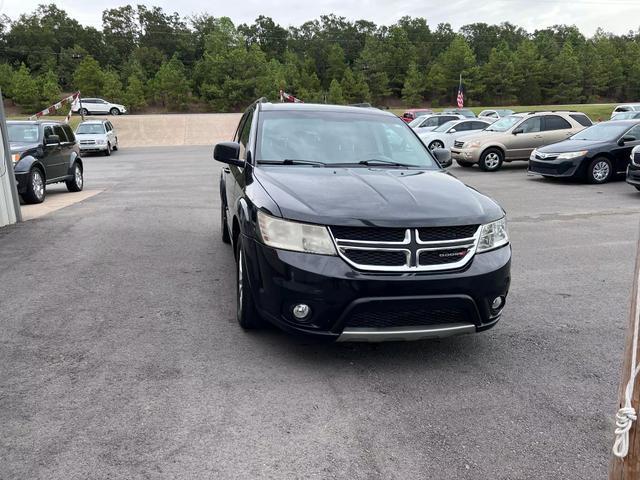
{"x": 145, "y": 57}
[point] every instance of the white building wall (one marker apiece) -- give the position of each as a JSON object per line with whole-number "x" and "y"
{"x": 9, "y": 210}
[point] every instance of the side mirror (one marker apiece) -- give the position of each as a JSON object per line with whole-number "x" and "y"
{"x": 228, "y": 152}
{"x": 443, "y": 157}
{"x": 52, "y": 140}
{"x": 453, "y": 130}
{"x": 624, "y": 140}
{"x": 518, "y": 131}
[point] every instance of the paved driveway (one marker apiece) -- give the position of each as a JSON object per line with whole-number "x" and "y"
{"x": 120, "y": 357}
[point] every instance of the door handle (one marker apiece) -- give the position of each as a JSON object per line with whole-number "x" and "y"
{"x": 226, "y": 170}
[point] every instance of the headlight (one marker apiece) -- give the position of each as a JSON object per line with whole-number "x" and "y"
{"x": 100, "y": 142}
{"x": 474, "y": 144}
{"x": 533, "y": 154}
{"x": 493, "y": 235}
{"x": 299, "y": 237}
{"x": 15, "y": 158}
{"x": 569, "y": 155}
{"x": 635, "y": 156}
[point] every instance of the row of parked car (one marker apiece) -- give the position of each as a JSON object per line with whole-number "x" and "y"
{"x": 45, "y": 152}
{"x": 555, "y": 143}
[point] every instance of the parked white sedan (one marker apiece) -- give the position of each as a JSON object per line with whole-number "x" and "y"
{"x": 445, "y": 134}
{"x": 431, "y": 122}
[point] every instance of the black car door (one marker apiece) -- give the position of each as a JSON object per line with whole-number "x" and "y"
{"x": 52, "y": 154}
{"x": 243, "y": 138}
{"x": 622, "y": 152}
{"x": 66, "y": 146}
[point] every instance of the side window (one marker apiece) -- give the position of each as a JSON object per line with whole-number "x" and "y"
{"x": 236, "y": 135}
{"x": 554, "y": 122}
{"x": 244, "y": 134}
{"x": 463, "y": 127}
{"x": 532, "y": 125}
{"x": 582, "y": 119}
{"x": 431, "y": 122}
{"x": 107, "y": 126}
{"x": 634, "y": 132}
{"x": 58, "y": 130}
{"x": 70, "y": 136}
{"x": 48, "y": 131}
{"x": 478, "y": 125}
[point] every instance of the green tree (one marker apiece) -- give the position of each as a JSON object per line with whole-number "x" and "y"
{"x": 528, "y": 68}
{"x": 134, "y": 97}
{"x": 372, "y": 63}
{"x": 335, "y": 93}
{"x": 112, "y": 86}
{"x": 500, "y": 70}
{"x": 6, "y": 79}
{"x": 24, "y": 89}
{"x": 48, "y": 88}
{"x": 564, "y": 79}
{"x": 170, "y": 85}
{"x": 335, "y": 62}
{"x": 413, "y": 87}
{"x": 89, "y": 77}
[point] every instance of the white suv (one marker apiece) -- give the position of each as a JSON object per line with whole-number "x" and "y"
{"x": 95, "y": 136}
{"x": 87, "y": 106}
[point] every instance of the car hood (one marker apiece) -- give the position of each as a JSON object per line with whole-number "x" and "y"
{"x": 20, "y": 147}
{"x": 574, "y": 146}
{"x": 375, "y": 196}
{"x": 483, "y": 137}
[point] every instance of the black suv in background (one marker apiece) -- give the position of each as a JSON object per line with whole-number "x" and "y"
{"x": 44, "y": 152}
{"x": 345, "y": 226}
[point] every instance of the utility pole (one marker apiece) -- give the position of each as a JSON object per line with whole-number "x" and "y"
{"x": 628, "y": 468}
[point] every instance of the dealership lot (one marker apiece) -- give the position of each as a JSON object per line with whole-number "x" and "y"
{"x": 122, "y": 359}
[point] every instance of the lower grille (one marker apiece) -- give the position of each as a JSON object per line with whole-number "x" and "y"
{"x": 377, "y": 257}
{"x": 410, "y": 313}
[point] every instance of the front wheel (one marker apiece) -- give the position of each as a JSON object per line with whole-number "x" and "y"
{"x": 491, "y": 160}
{"x": 84, "y": 112}
{"x": 436, "y": 144}
{"x": 36, "y": 188}
{"x": 115, "y": 111}
{"x": 247, "y": 315}
{"x": 107, "y": 152}
{"x": 599, "y": 170}
{"x": 76, "y": 183}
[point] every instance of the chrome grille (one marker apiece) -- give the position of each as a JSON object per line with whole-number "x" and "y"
{"x": 406, "y": 250}
{"x": 87, "y": 142}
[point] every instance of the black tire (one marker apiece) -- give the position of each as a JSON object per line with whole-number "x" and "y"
{"x": 599, "y": 171}
{"x": 114, "y": 111}
{"x": 76, "y": 184}
{"x": 491, "y": 160}
{"x": 464, "y": 164}
{"x": 436, "y": 144}
{"x": 36, "y": 187}
{"x": 247, "y": 315}
{"x": 226, "y": 236}
{"x": 107, "y": 152}
{"x": 83, "y": 112}
{"x": 115, "y": 146}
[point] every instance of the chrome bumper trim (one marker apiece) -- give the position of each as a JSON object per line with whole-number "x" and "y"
{"x": 404, "y": 333}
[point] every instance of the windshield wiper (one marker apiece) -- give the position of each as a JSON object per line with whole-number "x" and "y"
{"x": 289, "y": 161}
{"x": 377, "y": 161}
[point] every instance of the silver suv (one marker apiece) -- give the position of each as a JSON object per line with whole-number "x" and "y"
{"x": 515, "y": 136}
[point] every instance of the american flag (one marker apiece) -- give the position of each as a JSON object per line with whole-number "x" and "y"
{"x": 460, "y": 94}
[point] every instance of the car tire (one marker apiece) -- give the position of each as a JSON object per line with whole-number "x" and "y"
{"x": 107, "y": 152}
{"x": 600, "y": 170}
{"x": 83, "y": 112}
{"x": 464, "y": 164}
{"x": 436, "y": 144}
{"x": 115, "y": 145}
{"x": 36, "y": 187}
{"x": 491, "y": 160}
{"x": 76, "y": 184}
{"x": 247, "y": 315}
{"x": 226, "y": 236}
{"x": 114, "y": 111}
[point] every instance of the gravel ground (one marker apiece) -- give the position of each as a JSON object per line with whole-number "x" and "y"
{"x": 121, "y": 358}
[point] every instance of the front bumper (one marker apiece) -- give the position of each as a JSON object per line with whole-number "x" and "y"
{"x": 93, "y": 148}
{"x": 633, "y": 175}
{"x": 348, "y": 304}
{"x": 469, "y": 155}
{"x": 556, "y": 168}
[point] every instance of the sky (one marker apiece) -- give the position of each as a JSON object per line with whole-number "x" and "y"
{"x": 616, "y": 16}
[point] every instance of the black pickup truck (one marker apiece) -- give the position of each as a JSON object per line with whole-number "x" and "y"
{"x": 346, "y": 227}
{"x": 44, "y": 152}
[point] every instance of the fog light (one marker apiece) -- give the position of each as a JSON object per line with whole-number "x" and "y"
{"x": 497, "y": 303}
{"x": 301, "y": 311}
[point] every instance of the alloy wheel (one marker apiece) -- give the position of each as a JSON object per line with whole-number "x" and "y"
{"x": 79, "y": 178}
{"x": 436, "y": 144}
{"x": 37, "y": 184}
{"x": 601, "y": 171}
{"x": 492, "y": 160}
{"x": 240, "y": 289}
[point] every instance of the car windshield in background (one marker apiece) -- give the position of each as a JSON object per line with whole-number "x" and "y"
{"x": 504, "y": 113}
{"x": 601, "y": 132}
{"x": 503, "y": 124}
{"x": 445, "y": 126}
{"x": 335, "y": 138}
{"x": 22, "y": 133}
{"x": 90, "y": 129}
{"x": 625, "y": 116}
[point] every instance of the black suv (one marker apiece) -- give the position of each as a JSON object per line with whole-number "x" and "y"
{"x": 345, "y": 226}
{"x": 44, "y": 152}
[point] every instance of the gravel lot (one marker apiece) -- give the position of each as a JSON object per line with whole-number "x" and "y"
{"x": 121, "y": 358}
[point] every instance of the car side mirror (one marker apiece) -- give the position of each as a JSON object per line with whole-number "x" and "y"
{"x": 453, "y": 130}
{"x": 624, "y": 140}
{"x": 228, "y": 152}
{"x": 518, "y": 131}
{"x": 52, "y": 140}
{"x": 443, "y": 157}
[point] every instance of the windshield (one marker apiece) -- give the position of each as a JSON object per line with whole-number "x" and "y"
{"x": 23, "y": 133}
{"x": 445, "y": 126}
{"x": 601, "y": 132}
{"x": 504, "y": 113}
{"x": 90, "y": 129}
{"x": 503, "y": 124}
{"x": 334, "y": 138}
{"x": 625, "y": 116}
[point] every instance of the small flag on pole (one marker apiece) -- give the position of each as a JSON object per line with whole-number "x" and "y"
{"x": 460, "y": 94}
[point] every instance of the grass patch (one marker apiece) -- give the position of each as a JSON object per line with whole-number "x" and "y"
{"x": 596, "y": 111}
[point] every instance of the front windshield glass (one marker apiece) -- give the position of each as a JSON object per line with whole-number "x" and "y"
{"x": 90, "y": 129}
{"x": 504, "y": 113}
{"x": 23, "y": 133}
{"x": 334, "y": 138}
{"x": 601, "y": 132}
{"x": 503, "y": 124}
{"x": 445, "y": 126}
{"x": 624, "y": 116}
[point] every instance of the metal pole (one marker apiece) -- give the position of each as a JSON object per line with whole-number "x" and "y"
{"x": 8, "y": 162}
